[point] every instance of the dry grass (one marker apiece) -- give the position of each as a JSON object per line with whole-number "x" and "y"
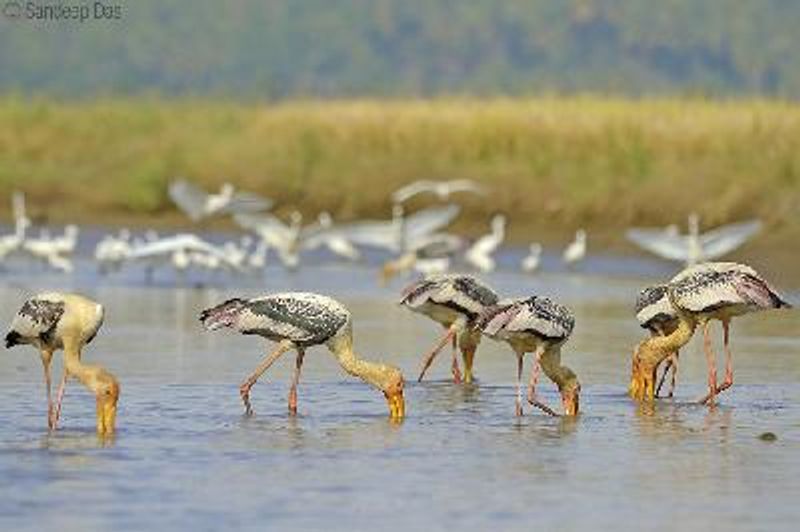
{"x": 551, "y": 162}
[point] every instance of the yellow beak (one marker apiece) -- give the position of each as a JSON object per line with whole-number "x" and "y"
{"x": 469, "y": 358}
{"x": 397, "y": 406}
{"x": 571, "y": 404}
{"x": 106, "y": 415}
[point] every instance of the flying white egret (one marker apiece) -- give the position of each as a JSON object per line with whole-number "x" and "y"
{"x": 694, "y": 247}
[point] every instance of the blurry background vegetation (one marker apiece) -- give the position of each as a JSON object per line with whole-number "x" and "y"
{"x": 284, "y": 48}
{"x": 602, "y": 112}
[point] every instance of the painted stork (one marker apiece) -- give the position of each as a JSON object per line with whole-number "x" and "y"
{"x": 699, "y": 294}
{"x": 540, "y": 326}
{"x": 54, "y": 321}
{"x": 655, "y": 313}
{"x": 298, "y": 320}
{"x": 454, "y": 301}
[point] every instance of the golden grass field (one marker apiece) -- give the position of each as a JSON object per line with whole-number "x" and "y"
{"x": 550, "y": 162}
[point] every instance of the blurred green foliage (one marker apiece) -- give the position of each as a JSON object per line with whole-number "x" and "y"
{"x": 265, "y": 49}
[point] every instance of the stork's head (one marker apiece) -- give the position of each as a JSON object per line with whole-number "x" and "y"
{"x": 570, "y": 390}
{"x": 393, "y": 391}
{"x": 223, "y": 315}
{"x": 107, "y": 395}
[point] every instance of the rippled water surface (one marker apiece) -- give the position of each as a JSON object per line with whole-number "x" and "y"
{"x": 185, "y": 457}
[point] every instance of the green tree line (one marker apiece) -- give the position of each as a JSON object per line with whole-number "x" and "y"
{"x": 266, "y": 49}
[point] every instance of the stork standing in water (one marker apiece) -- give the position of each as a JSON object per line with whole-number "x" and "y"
{"x": 298, "y": 321}
{"x": 713, "y": 290}
{"x": 454, "y": 301}
{"x": 540, "y": 326}
{"x": 720, "y": 291}
{"x": 655, "y": 313}
{"x": 67, "y": 321}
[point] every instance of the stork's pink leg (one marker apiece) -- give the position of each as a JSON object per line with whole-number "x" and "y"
{"x": 455, "y": 369}
{"x": 534, "y": 376}
{"x": 520, "y": 358}
{"x": 667, "y": 366}
{"x": 295, "y": 381}
{"x": 244, "y": 389}
{"x": 712, "y": 367}
{"x": 534, "y": 380}
{"x": 46, "y": 358}
{"x": 59, "y": 398}
{"x": 726, "y": 325}
{"x": 670, "y": 366}
{"x": 674, "y": 376}
{"x": 451, "y": 332}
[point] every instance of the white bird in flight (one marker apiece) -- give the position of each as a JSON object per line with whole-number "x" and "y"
{"x": 694, "y": 247}
{"x": 198, "y": 204}
{"x": 442, "y": 189}
{"x": 401, "y": 233}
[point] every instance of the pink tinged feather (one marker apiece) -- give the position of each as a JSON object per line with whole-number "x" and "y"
{"x": 500, "y": 319}
{"x": 755, "y": 292}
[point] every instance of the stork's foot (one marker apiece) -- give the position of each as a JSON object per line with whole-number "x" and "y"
{"x": 244, "y": 392}
{"x": 292, "y": 402}
{"x": 51, "y": 419}
{"x": 518, "y": 411}
{"x": 456, "y": 374}
{"x": 709, "y": 397}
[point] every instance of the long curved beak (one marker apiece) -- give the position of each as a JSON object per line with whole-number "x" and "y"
{"x": 572, "y": 404}
{"x": 397, "y": 405}
{"x": 106, "y": 415}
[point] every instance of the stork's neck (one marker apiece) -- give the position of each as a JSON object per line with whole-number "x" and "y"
{"x": 656, "y": 348}
{"x": 92, "y": 376}
{"x": 552, "y": 367}
{"x": 370, "y": 372}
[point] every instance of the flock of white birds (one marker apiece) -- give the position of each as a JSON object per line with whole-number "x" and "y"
{"x": 417, "y": 241}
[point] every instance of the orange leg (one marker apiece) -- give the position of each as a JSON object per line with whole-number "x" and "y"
{"x": 244, "y": 389}
{"x": 451, "y": 332}
{"x": 295, "y": 381}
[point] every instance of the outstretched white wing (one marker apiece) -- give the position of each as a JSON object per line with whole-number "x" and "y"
{"x": 427, "y": 221}
{"x": 373, "y": 234}
{"x": 660, "y": 242}
{"x": 189, "y": 198}
{"x": 247, "y": 202}
{"x": 403, "y": 194}
{"x": 725, "y": 239}
{"x": 465, "y": 185}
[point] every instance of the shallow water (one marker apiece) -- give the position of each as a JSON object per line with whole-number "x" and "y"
{"x": 185, "y": 457}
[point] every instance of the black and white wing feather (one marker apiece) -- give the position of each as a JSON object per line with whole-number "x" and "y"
{"x": 37, "y": 319}
{"x": 539, "y": 316}
{"x": 713, "y": 285}
{"x": 303, "y": 318}
{"x": 463, "y": 293}
{"x": 653, "y": 306}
